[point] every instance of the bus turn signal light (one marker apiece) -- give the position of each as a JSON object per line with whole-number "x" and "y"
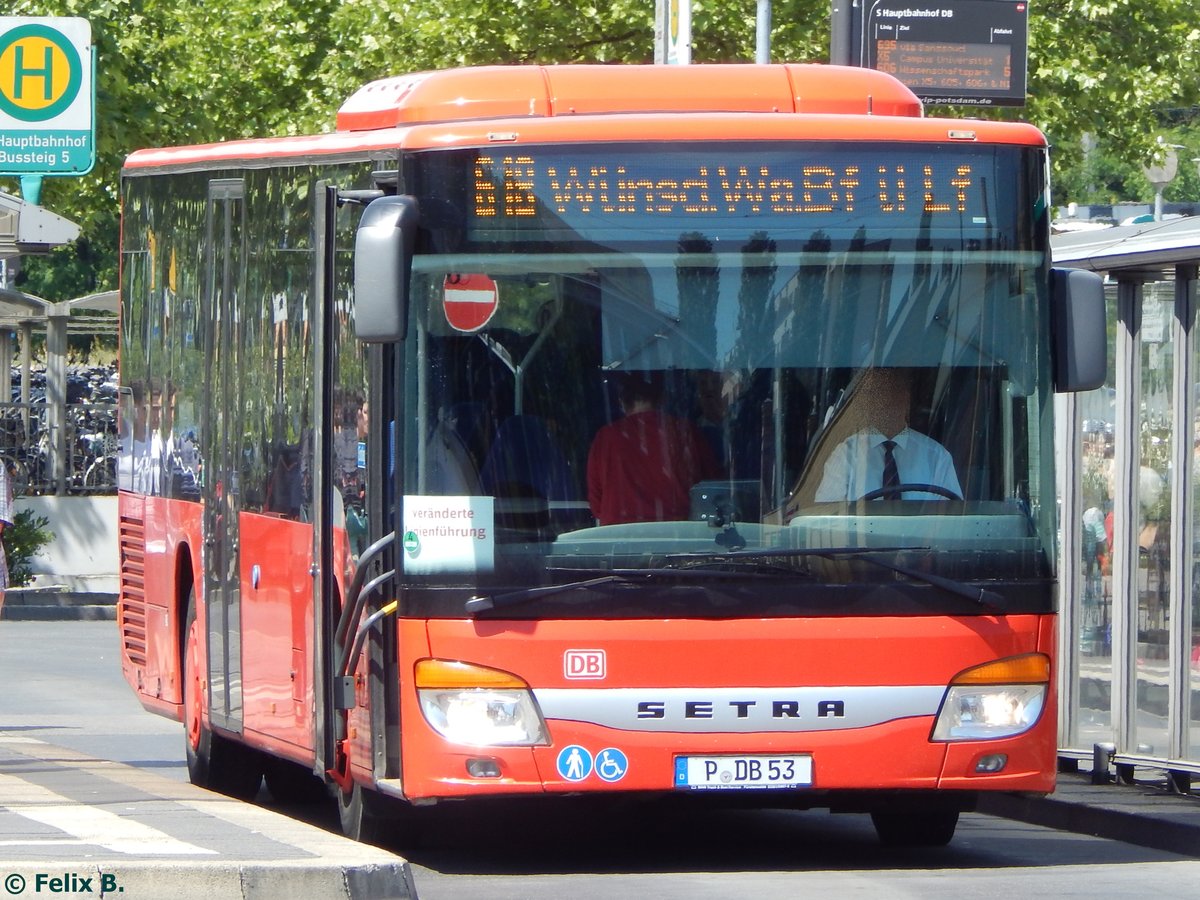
{"x": 998, "y": 699}
{"x": 1029, "y": 668}
{"x": 445, "y": 674}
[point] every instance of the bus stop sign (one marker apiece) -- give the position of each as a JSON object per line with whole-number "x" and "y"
{"x": 47, "y": 96}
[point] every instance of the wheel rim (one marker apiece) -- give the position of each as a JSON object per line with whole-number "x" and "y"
{"x": 192, "y": 685}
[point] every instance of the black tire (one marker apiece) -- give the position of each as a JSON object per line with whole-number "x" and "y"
{"x": 99, "y": 475}
{"x": 214, "y": 762}
{"x": 915, "y": 829}
{"x": 368, "y": 816}
{"x": 292, "y": 783}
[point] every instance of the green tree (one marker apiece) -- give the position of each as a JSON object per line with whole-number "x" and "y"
{"x": 172, "y": 73}
{"x": 23, "y": 540}
{"x": 1110, "y": 71}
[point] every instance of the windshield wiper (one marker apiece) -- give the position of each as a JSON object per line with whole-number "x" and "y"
{"x": 702, "y": 568}
{"x": 481, "y": 603}
{"x": 982, "y": 596}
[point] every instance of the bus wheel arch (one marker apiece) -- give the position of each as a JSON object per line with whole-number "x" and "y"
{"x": 184, "y": 600}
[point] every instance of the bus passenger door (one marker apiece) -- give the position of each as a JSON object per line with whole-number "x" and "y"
{"x": 221, "y": 492}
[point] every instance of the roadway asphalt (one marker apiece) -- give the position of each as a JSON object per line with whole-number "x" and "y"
{"x": 1142, "y": 812}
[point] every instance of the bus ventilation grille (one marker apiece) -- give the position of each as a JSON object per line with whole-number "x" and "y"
{"x": 132, "y": 537}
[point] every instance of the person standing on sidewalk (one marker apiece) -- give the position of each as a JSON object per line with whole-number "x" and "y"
{"x": 6, "y": 520}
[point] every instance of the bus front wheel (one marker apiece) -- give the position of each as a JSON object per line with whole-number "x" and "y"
{"x": 368, "y": 816}
{"x": 915, "y": 829}
{"x": 213, "y": 761}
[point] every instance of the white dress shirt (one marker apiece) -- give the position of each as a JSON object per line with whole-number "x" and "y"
{"x": 855, "y": 467}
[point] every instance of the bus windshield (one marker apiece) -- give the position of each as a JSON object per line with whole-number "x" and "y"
{"x": 752, "y": 385}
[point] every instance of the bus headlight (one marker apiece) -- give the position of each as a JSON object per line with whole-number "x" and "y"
{"x": 999, "y": 699}
{"x": 478, "y": 706}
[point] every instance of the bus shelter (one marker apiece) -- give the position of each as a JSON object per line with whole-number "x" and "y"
{"x": 1130, "y": 626}
{"x": 55, "y": 440}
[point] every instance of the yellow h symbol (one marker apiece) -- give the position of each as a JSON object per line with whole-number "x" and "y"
{"x": 45, "y": 73}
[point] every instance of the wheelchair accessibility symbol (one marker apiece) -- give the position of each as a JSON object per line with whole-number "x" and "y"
{"x": 611, "y": 764}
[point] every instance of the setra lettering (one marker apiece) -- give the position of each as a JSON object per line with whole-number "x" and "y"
{"x": 740, "y": 709}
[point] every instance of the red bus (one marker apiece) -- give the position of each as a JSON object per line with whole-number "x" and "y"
{"x": 517, "y": 439}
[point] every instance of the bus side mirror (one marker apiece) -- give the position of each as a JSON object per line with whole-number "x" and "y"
{"x": 383, "y": 252}
{"x": 1078, "y": 335}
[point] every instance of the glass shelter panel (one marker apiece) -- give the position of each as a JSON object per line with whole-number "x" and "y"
{"x": 1097, "y": 415}
{"x": 1153, "y": 518}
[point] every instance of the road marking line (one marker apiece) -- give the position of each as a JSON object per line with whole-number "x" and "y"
{"x": 90, "y": 825}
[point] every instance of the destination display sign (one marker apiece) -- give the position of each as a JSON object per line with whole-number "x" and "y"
{"x": 963, "y": 52}
{"x": 618, "y": 193}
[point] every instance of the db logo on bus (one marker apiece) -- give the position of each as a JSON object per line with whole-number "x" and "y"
{"x": 584, "y": 664}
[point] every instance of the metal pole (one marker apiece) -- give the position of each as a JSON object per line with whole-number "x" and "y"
{"x": 840, "y": 25}
{"x": 1183, "y": 401}
{"x": 762, "y": 44}
{"x": 56, "y": 394}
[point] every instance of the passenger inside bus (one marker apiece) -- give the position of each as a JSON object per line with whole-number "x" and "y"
{"x": 884, "y": 454}
{"x": 641, "y": 467}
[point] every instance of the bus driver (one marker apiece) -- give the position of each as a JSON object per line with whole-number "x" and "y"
{"x": 884, "y": 453}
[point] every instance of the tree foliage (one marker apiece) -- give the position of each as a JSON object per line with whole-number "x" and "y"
{"x": 23, "y": 540}
{"x": 173, "y": 72}
{"x": 1113, "y": 71}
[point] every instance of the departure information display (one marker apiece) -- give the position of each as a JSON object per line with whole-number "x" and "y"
{"x": 964, "y": 52}
{"x": 947, "y": 67}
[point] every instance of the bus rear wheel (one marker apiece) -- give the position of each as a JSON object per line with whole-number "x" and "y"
{"x": 213, "y": 761}
{"x": 915, "y": 829}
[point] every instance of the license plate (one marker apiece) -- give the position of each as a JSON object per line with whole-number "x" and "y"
{"x": 733, "y": 773}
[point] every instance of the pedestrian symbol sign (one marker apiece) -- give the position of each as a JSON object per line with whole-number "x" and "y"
{"x": 47, "y": 106}
{"x": 574, "y": 763}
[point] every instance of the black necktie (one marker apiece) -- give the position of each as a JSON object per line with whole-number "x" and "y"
{"x": 891, "y": 475}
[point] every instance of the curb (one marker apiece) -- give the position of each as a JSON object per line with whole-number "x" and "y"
{"x": 83, "y": 612}
{"x": 1154, "y": 827}
{"x": 56, "y": 604}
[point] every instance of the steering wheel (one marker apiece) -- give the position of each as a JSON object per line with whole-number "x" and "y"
{"x": 896, "y": 490}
